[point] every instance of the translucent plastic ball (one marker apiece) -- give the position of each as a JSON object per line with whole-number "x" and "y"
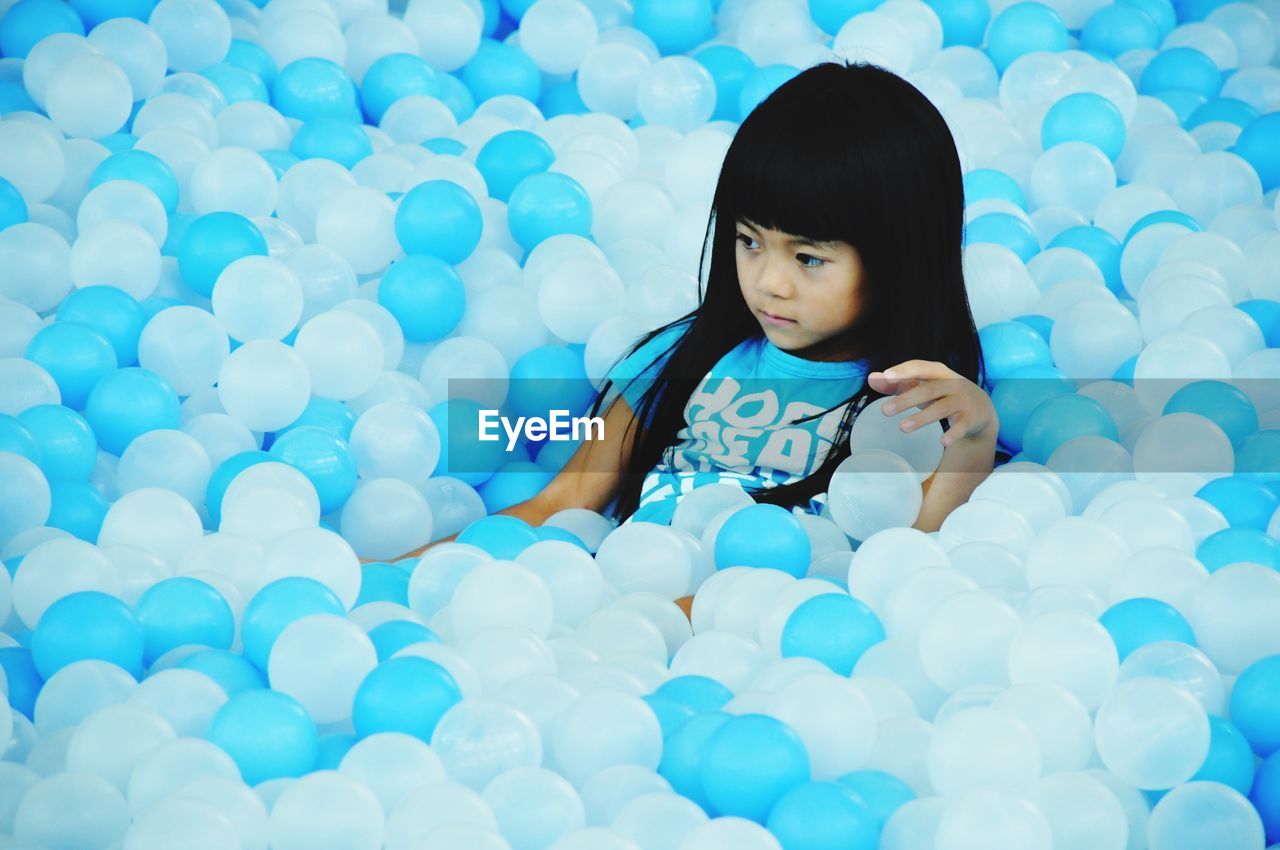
{"x": 971, "y": 820}
{"x": 1072, "y": 174}
{"x": 196, "y": 33}
{"x": 169, "y": 459}
{"x": 267, "y": 733}
{"x": 448, "y": 34}
{"x": 677, "y": 92}
{"x": 534, "y": 807}
{"x": 873, "y": 490}
{"x": 921, "y": 448}
{"x": 1152, "y": 733}
{"x": 116, "y": 253}
{"x": 127, "y": 200}
{"x": 213, "y": 242}
{"x": 257, "y": 298}
{"x": 77, "y": 691}
{"x": 582, "y": 294}
{"x": 500, "y": 594}
{"x": 315, "y": 553}
{"x": 327, "y": 806}
{"x": 99, "y": 811}
{"x": 982, "y": 748}
{"x": 1093, "y": 338}
{"x": 391, "y": 764}
{"x": 1069, "y": 649}
{"x": 233, "y": 179}
{"x": 817, "y": 707}
{"x": 320, "y": 660}
{"x": 342, "y": 353}
{"x": 265, "y": 385}
{"x": 359, "y": 223}
{"x": 174, "y": 764}
{"x": 88, "y": 97}
{"x": 966, "y": 640}
{"x": 644, "y": 557}
{"x": 479, "y": 739}
{"x": 558, "y": 34}
{"x": 1204, "y": 814}
{"x": 386, "y": 517}
{"x": 186, "y": 347}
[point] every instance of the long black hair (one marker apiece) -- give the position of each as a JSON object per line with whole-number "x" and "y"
{"x": 841, "y": 152}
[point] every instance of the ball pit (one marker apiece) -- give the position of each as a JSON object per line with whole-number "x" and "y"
{"x": 263, "y": 263}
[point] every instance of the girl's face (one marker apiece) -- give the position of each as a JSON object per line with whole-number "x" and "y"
{"x": 804, "y": 294}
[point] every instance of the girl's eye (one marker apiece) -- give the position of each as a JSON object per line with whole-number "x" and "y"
{"x": 820, "y": 262}
{"x": 742, "y": 237}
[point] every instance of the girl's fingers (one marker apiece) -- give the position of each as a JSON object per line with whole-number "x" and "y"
{"x": 941, "y": 409}
{"x": 918, "y": 396}
{"x": 920, "y": 369}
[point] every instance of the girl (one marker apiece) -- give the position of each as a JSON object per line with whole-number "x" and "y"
{"x": 835, "y": 278}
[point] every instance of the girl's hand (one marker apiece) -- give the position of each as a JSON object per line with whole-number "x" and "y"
{"x": 939, "y": 393}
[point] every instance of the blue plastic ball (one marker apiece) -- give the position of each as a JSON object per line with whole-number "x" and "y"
{"x": 501, "y": 536}
{"x": 1258, "y": 458}
{"x": 1245, "y": 503}
{"x": 1042, "y": 325}
{"x": 253, "y": 58}
{"x": 683, "y": 753}
{"x": 446, "y": 146}
{"x": 1162, "y": 217}
{"x": 763, "y": 536}
{"x": 182, "y": 611}
{"x": 832, "y": 628}
{"x": 407, "y": 694}
{"x": 333, "y": 416}
{"x": 1024, "y": 28}
{"x": 228, "y": 669}
{"x": 87, "y": 625}
{"x": 750, "y": 763}
{"x": 1230, "y": 761}
{"x": 426, "y": 296}
{"x": 1004, "y": 229}
{"x": 964, "y": 22}
{"x": 548, "y": 204}
{"x": 236, "y": 84}
{"x": 392, "y": 77}
{"x": 1137, "y": 622}
{"x": 394, "y": 635}
{"x": 1021, "y": 393}
{"x": 514, "y": 482}
{"x": 129, "y": 402}
{"x": 761, "y": 83}
{"x": 24, "y": 681}
{"x": 831, "y": 15}
{"x": 1182, "y": 68}
{"x": 1237, "y": 545}
{"x": 1265, "y": 796}
{"x": 77, "y": 508}
{"x": 269, "y": 735}
{"x": 671, "y": 714}
{"x": 1255, "y": 705}
{"x": 1064, "y": 418}
{"x": 730, "y": 68}
{"x": 27, "y": 22}
{"x": 383, "y": 583}
{"x": 1160, "y": 11}
{"x": 13, "y": 208}
{"x": 498, "y": 68}
{"x": 333, "y": 748}
{"x": 1119, "y": 28}
{"x": 551, "y": 532}
{"x": 989, "y": 184}
{"x": 214, "y": 241}
{"x": 1085, "y": 117}
{"x": 553, "y": 456}
{"x": 883, "y": 793}
{"x": 700, "y": 693}
{"x": 1100, "y": 246}
{"x": 676, "y": 26}
{"x": 140, "y": 167}
{"x": 1226, "y": 405}
{"x": 94, "y": 12}
{"x": 75, "y": 355}
{"x": 1266, "y": 313}
{"x": 456, "y": 96}
{"x": 439, "y": 218}
{"x": 823, "y": 816}
{"x": 1259, "y": 144}
{"x": 547, "y": 378}
{"x": 315, "y": 88}
{"x": 18, "y": 439}
{"x": 562, "y": 98}
{"x": 511, "y": 156}
{"x": 222, "y": 476}
{"x": 278, "y": 604}
{"x": 465, "y": 456}
{"x": 65, "y": 443}
{"x": 326, "y": 460}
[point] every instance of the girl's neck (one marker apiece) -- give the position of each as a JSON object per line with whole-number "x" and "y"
{"x": 834, "y": 350}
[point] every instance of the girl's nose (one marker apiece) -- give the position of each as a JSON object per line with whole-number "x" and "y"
{"x": 774, "y": 281}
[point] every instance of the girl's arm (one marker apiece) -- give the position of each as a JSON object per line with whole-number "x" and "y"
{"x": 965, "y": 464}
{"x": 589, "y": 480}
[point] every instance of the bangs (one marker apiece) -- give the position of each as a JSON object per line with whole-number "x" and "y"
{"x": 784, "y": 173}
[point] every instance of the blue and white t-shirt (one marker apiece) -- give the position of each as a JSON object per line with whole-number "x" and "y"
{"x": 743, "y": 421}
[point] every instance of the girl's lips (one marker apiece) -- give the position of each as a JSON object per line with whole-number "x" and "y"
{"x": 776, "y": 320}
